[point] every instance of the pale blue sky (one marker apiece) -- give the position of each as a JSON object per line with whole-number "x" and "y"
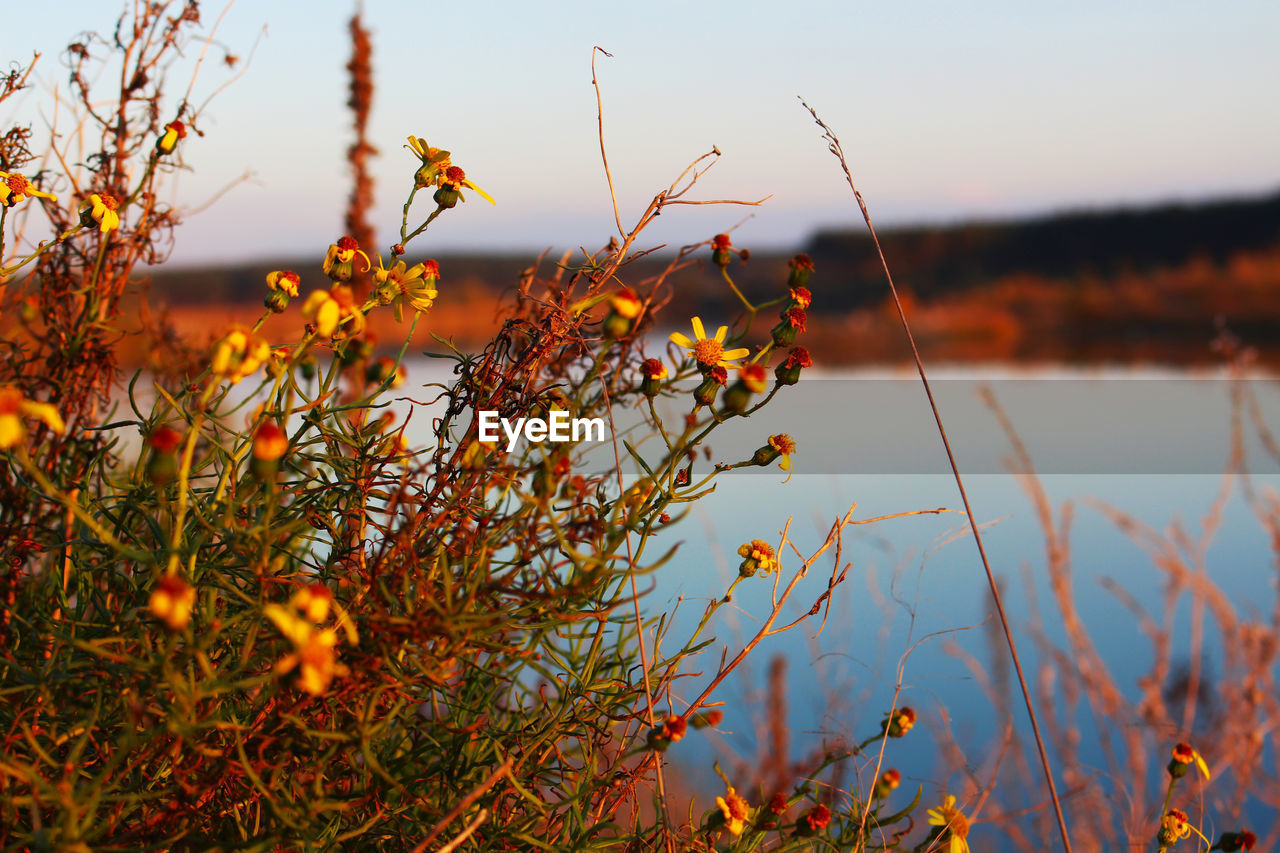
{"x": 947, "y": 110}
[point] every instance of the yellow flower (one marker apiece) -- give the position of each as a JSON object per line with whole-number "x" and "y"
{"x": 785, "y": 446}
{"x": 414, "y": 286}
{"x": 314, "y": 601}
{"x": 171, "y": 602}
{"x": 627, "y": 303}
{"x": 450, "y": 183}
{"x": 329, "y": 309}
{"x": 955, "y": 826}
{"x": 735, "y": 811}
{"x": 899, "y": 722}
{"x": 339, "y": 260}
{"x": 14, "y": 407}
{"x": 101, "y": 208}
{"x": 709, "y": 352}
{"x": 15, "y": 188}
{"x": 757, "y": 555}
{"x": 654, "y": 369}
{"x": 285, "y": 281}
{"x": 1183, "y": 754}
{"x": 239, "y": 354}
{"x": 314, "y": 649}
{"x": 173, "y": 131}
{"x": 434, "y": 161}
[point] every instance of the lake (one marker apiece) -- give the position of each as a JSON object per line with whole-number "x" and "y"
{"x": 1153, "y": 444}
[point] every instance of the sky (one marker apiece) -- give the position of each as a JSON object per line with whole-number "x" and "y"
{"x": 947, "y": 111}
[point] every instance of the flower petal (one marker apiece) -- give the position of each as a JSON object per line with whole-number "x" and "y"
{"x": 485, "y": 195}
{"x": 721, "y": 332}
{"x": 698, "y": 331}
{"x": 734, "y": 354}
{"x": 47, "y": 413}
{"x": 681, "y": 340}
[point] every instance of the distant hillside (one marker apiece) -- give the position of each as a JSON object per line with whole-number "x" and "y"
{"x": 1158, "y": 284}
{"x": 929, "y": 261}
{"x": 1105, "y": 243}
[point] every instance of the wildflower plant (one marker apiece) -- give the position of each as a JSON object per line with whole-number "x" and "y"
{"x": 243, "y": 610}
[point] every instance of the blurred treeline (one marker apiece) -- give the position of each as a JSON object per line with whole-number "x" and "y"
{"x": 1137, "y": 284}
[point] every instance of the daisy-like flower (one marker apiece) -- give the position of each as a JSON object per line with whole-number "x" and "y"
{"x": 898, "y": 723}
{"x": 339, "y": 260}
{"x": 329, "y": 309}
{"x": 802, "y": 297}
{"x": 735, "y": 811}
{"x": 314, "y": 648}
{"x": 785, "y": 446}
{"x": 313, "y": 601}
{"x": 450, "y": 182}
{"x": 172, "y": 601}
{"x": 1174, "y": 827}
{"x": 652, "y": 368}
{"x": 14, "y": 406}
{"x": 757, "y": 555}
{"x": 888, "y": 782}
{"x": 652, "y": 372}
{"x": 402, "y": 285}
{"x": 753, "y": 376}
{"x": 239, "y": 354}
{"x": 173, "y": 131}
{"x": 709, "y": 352}
{"x": 1183, "y": 757}
{"x": 434, "y": 161}
{"x": 15, "y": 188}
{"x": 627, "y": 303}
{"x": 284, "y": 281}
{"x": 955, "y": 826}
{"x": 102, "y": 209}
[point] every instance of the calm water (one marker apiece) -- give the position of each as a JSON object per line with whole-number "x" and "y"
{"x": 1152, "y": 444}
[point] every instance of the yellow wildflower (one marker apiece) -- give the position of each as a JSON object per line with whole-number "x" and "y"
{"x": 14, "y": 407}
{"x": 239, "y": 354}
{"x": 285, "y": 281}
{"x": 329, "y": 309}
{"x": 314, "y": 601}
{"x": 955, "y": 826}
{"x": 785, "y": 446}
{"x": 172, "y": 601}
{"x": 414, "y": 286}
{"x": 16, "y": 188}
{"x": 434, "y": 161}
{"x": 339, "y": 260}
{"x": 101, "y": 208}
{"x": 173, "y": 131}
{"x": 735, "y": 811}
{"x": 314, "y": 652}
{"x": 627, "y": 303}
{"x": 1184, "y": 755}
{"x": 450, "y": 183}
{"x": 709, "y": 352}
